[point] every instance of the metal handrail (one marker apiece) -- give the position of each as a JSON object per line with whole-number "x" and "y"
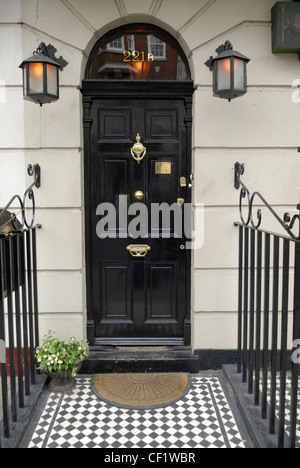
{"x": 287, "y": 223}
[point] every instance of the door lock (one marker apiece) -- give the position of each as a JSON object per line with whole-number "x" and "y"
{"x": 182, "y": 182}
{"x": 180, "y": 201}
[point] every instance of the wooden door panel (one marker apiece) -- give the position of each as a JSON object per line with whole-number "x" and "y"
{"x": 116, "y": 179}
{"x": 114, "y": 124}
{"x": 161, "y": 292}
{"x": 161, "y": 124}
{"x": 116, "y": 301}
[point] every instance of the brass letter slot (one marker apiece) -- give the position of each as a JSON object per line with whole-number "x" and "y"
{"x": 138, "y": 250}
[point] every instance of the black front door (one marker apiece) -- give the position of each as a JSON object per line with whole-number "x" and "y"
{"x": 138, "y": 160}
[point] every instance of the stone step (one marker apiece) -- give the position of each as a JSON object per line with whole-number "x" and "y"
{"x": 121, "y": 359}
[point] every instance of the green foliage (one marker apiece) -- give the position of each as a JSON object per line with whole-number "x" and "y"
{"x": 55, "y": 355}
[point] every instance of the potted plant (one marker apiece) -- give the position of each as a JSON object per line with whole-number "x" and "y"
{"x": 61, "y": 360}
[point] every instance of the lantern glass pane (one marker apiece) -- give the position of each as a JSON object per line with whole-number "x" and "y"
{"x": 25, "y": 80}
{"x": 52, "y": 87}
{"x": 239, "y": 74}
{"x": 223, "y": 74}
{"x": 36, "y": 77}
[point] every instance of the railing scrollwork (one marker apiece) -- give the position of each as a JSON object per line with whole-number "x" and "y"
{"x": 287, "y": 223}
{"x": 24, "y": 222}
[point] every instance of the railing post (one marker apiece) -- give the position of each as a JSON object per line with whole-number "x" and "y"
{"x": 9, "y": 269}
{"x": 274, "y": 334}
{"x": 252, "y": 312}
{"x": 284, "y": 341}
{"x": 296, "y": 336}
{"x": 258, "y": 318}
{"x": 245, "y": 325}
{"x": 30, "y": 304}
{"x": 4, "y": 388}
{"x": 264, "y": 397}
{"x": 240, "y": 300}
{"x": 35, "y": 289}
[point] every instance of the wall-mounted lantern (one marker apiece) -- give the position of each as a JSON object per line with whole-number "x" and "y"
{"x": 41, "y": 75}
{"x": 229, "y": 69}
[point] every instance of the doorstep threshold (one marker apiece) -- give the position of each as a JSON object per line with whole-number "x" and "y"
{"x": 104, "y": 359}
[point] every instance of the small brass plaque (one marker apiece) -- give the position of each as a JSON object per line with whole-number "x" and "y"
{"x": 163, "y": 168}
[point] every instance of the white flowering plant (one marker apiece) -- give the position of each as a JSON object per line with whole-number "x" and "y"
{"x": 55, "y": 355}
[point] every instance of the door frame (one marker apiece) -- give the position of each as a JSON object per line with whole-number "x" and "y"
{"x": 114, "y": 89}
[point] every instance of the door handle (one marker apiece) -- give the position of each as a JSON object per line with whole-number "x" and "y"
{"x": 139, "y": 195}
{"x": 138, "y": 250}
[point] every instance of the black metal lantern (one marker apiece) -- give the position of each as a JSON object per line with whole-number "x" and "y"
{"x": 40, "y": 77}
{"x": 229, "y": 72}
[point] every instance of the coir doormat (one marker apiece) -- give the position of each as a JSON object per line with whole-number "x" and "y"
{"x": 141, "y": 391}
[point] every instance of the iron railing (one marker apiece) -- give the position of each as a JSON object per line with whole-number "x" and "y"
{"x": 19, "y": 334}
{"x": 269, "y": 315}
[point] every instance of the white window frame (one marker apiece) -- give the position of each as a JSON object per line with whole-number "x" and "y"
{"x": 151, "y": 45}
{"x": 130, "y": 37}
{"x": 116, "y": 49}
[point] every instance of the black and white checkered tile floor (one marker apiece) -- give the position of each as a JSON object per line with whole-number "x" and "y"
{"x": 204, "y": 418}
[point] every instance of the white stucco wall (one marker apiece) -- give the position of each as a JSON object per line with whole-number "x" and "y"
{"x": 260, "y": 130}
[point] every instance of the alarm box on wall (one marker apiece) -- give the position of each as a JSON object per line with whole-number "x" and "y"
{"x": 286, "y": 27}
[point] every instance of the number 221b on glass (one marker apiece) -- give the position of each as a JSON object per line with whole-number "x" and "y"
{"x": 137, "y": 56}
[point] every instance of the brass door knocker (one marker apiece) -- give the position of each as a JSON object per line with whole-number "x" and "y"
{"x": 138, "y": 151}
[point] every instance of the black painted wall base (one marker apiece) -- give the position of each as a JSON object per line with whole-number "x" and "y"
{"x": 214, "y": 359}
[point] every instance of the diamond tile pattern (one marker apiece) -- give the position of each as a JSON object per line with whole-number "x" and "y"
{"x": 202, "y": 419}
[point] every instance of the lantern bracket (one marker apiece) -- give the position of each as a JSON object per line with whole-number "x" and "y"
{"x": 50, "y": 51}
{"x": 209, "y": 63}
{"x": 222, "y": 48}
{"x": 61, "y": 61}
